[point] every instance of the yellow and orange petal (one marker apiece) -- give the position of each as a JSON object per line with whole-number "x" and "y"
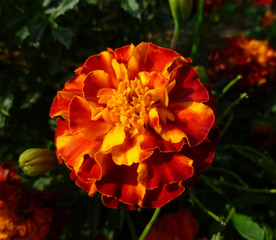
{"x": 124, "y": 123}
{"x": 181, "y": 225}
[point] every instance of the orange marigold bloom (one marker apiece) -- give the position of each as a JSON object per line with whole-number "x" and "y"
{"x": 178, "y": 226}
{"x": 135, "y": 126}
{"x": 255, "y": 60}
{"x": 22, "y": 214}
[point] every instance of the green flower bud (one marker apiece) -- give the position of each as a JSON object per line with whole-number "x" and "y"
{"x": 181, "y": 11}
{"x": 36, "y": 161}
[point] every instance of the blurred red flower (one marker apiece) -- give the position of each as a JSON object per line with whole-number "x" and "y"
{"x": 136, "y": 125}
{"x": 255, "y": 60}
{"x": 268, "y": 18}
{"x": 24, "y": 214}
{"x": 179, "y": 226}
{"x": 264, "y": 2}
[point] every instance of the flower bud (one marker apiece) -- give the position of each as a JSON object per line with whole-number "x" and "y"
{"x": 36, "y": 161}
{"x": 181, "y": 11}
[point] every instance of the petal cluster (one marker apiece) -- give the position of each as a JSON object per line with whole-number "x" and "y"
{"x": 255, "y": 60}
{"x": 22, "y": 213}
{"x": 135, "y": 124}
{"x": 180, "y": 225}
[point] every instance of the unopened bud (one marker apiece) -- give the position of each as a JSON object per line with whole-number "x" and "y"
{"x": 36, "y": 161}
{"x": 181, "y": 11}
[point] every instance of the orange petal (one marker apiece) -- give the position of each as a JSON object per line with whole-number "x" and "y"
{"x": 114, "y": 137}
{"x": 158, "y": 197}
{"x": 188, "y": 86}
{"x": 194, "y": 119}
{"x": 86, "y": 186}
{"x": 112, "y": 202}
{"x": 80, "y": 114}
{"x": 130, "y": 152}
{"x": 150, "y": 58}
{"x": 102, "y": 61}
{"x": 120, "y": 70}
{"x": 95, "y": 81}
{"x": 154, "y": 120}
{"x": 120, "y": 182}
{"x": 73, "y": 148}
{"x": 164, "y": 168}
{"x": 124, "y": 54}
{"x": 172, "y": 133}
{"x": 75, "y": 84}
{"x": 152, "y": 80}
{"x": 89, "y": 170}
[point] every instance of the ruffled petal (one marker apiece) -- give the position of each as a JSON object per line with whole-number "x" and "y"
{"x": 119, "y": 181}
{"x": 86, "y": 186}
{"x": 158, "y": 197}
{"x": 102, "y": 61}
{"x": 112, "y": 202}
{"x": 188, "y": 86}
{"x": 124, "y": 54}
{"x": 150, "y": 58}
{"x": 94, "y": 81}
{"x": 80, "y": 114}
{"x": 114, "y": 137}
{"x": 194, "y": 119}
{"x": 164, "y": 168}
{"x": 73, "y": 148}
{"x": 130, "y": 151}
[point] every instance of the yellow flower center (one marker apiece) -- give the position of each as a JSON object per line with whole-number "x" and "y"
{"x": 131, "y": 104}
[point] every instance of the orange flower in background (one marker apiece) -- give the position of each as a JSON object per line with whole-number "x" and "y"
{"x": 136, "y": 125}
{"x": 23, "y": 215}
{"x": 255, "y": 60}
{"x": 268, "y": 19}
{"x": 177, "y": 226}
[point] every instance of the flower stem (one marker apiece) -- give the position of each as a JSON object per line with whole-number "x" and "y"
{"x": 228, "y": 86}
{"x": 197, "y": 28}
{"x": 148, "y": 227}
{"x": 176, "y": 34}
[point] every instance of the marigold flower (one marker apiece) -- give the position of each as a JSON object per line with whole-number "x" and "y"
{"x": 181, "y": 225}
{"x": 136, "y": 126}
{"x": 23, "y": 214}
{"x": 255, "y": 60}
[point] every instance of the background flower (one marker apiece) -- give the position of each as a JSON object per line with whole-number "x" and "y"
{"x": 24, "y": 214}
{"x": 178, "y": 226}
{"x": 255, "y": 60}
{"x": 135, "y": 126}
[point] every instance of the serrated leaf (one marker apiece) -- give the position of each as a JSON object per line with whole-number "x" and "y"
{"x": 132, "y": 7}
{"x": 42, "y": 183}
{"x": 247, "y": 228}
{"x": 63, "y": 35}
{"x": 22, "y": 34}
{"x": 61, "y": 8}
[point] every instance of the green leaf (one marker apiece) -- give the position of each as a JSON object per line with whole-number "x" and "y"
{"x": 5, "y": 105}
{"x": 247, "y": 228}
{"x": 42, "y": 183}
{"x": 257, "y": 158}
{"x": 132, "y": 7}
{"x": 64, "y": 35}
{"x": 61, "y": 8}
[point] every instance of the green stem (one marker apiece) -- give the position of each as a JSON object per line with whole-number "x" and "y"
{"x": 176, "y": 34}
{"x": 228, "y": 86}
{"x": 131, "y": 227}
{"x": 148, "y": 227}
{"x": 211, "y": 214}
{"x": 233, "y": 104}
{"x": 248, "y": 189}
{"x": 226, "y": 126}
{"x": 197, "y": 29}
